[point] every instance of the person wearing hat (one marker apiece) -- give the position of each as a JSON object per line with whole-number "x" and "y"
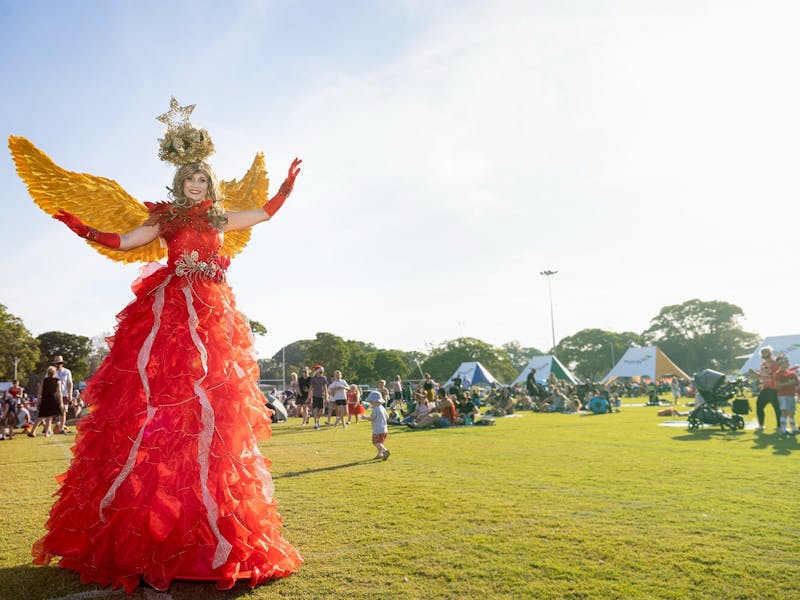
{"x": 65, "y": 377}
{"x": 380, "y": 427}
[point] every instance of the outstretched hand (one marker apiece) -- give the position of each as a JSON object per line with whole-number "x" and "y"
{"x": 294, "y": 169}
{"x": 73, "y": 222}
{"x": 278, "y": 199}
{"x": 288, "y": 184}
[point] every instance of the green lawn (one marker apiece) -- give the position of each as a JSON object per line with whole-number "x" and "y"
{"x": 536, "y": 506}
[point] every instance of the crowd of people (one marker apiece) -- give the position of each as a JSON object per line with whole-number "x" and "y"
{"x": 320, "y": 401}
{"x": 56, "y": 402}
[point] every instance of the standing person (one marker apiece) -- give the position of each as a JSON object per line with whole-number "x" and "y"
{"x": 50, "y": 402}
{"x": 354, "y": 406}
{"x": 786, "y": 383}
{"x": 675, "y": 386}
{"x": 769, "y": 391}
{"x": 167, "y": 481}
{"x": 428, "y": 386}
{"x": 337, "y": 391}
{"x": 319, "y": 394}
{"x": 304, "y": 395}
{"x": 530, "y": 384}
{"x": 65, "y": 377}
{"x": 397, "y": 393}
{"x": 380, "y": 426}
{"x": 384, "y": 391}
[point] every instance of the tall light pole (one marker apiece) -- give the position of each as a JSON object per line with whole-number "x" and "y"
{"x": 548, "y": 273}
{"x": 283, "y": 360}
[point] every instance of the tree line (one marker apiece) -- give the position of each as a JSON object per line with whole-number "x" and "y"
{"x": 695, "y": 335}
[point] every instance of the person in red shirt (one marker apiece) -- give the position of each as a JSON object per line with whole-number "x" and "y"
{"x": 769, "y": 391}
{"x": 786, "y": 381}
{"x": 15, "y": 391}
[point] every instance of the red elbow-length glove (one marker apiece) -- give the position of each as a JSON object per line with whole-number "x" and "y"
{"x": 278, "y": 199}
{"x": 110, "y": 240}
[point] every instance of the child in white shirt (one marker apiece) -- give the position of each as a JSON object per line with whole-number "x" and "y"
{"x": 380, "y": 428}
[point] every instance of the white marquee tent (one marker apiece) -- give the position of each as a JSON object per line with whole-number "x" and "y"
{"x": 786, "y": 344}
{"x": 648, "y": 362}
{"x": 545, "y": 365}
{"x": 472, "y": 373}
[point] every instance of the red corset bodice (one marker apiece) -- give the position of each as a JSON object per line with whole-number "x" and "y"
{"x": 192, "y": 242}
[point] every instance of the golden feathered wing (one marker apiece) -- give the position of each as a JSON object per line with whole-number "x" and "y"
{"x": 247, "y": 194}
{"x": 99, "y": 202}
{"x": 103, "y": 204}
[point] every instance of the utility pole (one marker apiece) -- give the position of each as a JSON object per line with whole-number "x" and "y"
{"x": 549, "y": 273}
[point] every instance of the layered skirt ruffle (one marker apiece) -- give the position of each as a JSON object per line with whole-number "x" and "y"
{"x": 167, "y": 481}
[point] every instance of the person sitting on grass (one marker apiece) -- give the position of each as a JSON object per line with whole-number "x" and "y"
{"x": 447, "y": 408}
{"x": 598, "y": 404}
{"x": 422, "y": 408}
{"x": 467, "y": 411}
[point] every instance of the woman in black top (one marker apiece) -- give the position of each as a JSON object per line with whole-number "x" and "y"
{"x": 302, "y": 400}
{"x": 49, "y": 403}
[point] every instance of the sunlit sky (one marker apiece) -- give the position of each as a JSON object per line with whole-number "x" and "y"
{"x": 452, "y": 150}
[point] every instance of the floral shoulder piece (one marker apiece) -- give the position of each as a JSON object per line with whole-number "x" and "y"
{"x": 170, "y": 217}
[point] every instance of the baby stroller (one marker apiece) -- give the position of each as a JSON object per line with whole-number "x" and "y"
{"x": 715, "y": 391}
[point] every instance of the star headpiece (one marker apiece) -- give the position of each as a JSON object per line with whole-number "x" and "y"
{"x": 176, "y": 111}
{"x": 183, "y": 143}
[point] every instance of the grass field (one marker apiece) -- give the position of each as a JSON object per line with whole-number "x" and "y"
{"x": 536, "y": 506}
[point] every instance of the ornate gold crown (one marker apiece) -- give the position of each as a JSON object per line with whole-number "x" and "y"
{"x": 183, "y": 143}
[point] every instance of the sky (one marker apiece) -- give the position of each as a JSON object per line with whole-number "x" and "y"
{"x": 452, "y": 151}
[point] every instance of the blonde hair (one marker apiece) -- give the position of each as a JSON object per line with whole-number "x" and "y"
{"x": 216, "y": 214}
{"x": 51, "y": 371}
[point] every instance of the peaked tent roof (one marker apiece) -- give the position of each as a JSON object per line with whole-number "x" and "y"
{"x": 472, "y": 373}
{"x": 545, "y": 365}
{"x": 787, "y": 344}
{"x": 649, "y": 361}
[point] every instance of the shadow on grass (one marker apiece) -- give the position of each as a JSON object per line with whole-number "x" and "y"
{"x": 780, "y": 444}
{"x": 44, "y": 583}
{"x": 705, "y": 435}
{"x": 324, "y": 469}
{"x": 55, "y": 583}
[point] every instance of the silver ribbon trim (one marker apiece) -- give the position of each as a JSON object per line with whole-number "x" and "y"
{"x": 206, "y": 435}
{"x": 141, "y": 364}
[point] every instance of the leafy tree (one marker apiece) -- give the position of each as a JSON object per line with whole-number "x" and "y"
{"x": 74, "y": 348}
{"x": 591, "y": 353}
{"x": 445, "y": 358}
{"x": 389, "y": 363}
{"x": 519, "y": 355}
{"x": 257, "y": 328}
{"x": 414, "y": 360}
{"x": 16, "y": 344}
{"x": 330, "y": 351}
{"x": 360, "y": 363}
{"x": 295, "y": 356}
{"x": 98, "y": 354}
{"x": 697, "y": 335}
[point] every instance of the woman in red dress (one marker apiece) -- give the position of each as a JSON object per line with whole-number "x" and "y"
{"x": 167, "y": 480}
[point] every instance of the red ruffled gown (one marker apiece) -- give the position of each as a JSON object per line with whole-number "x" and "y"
{"x": 167, "y": 481}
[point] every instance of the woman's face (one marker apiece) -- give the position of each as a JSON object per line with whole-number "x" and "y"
{"x": 195, "y": 188}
